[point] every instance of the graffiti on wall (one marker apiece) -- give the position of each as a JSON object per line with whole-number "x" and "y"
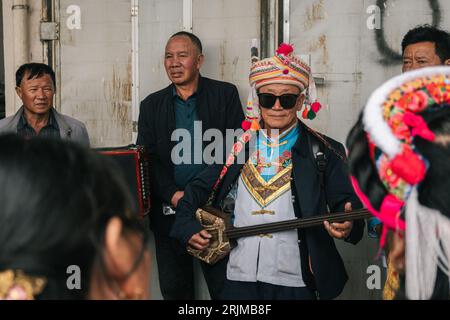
{"x": 390, "y": 56}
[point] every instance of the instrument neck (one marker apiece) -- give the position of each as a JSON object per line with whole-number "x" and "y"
{"x": 254, "y": 230}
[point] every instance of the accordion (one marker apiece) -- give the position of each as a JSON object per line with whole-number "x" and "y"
{"x": 134, "y": 162}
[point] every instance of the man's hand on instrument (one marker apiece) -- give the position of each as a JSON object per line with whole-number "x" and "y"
{"x": 340, "y": 230}
{"x": 200, "y": 241}
{"x": 176, "y": 197}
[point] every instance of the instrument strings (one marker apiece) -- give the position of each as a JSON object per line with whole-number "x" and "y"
{"x": 297, "y": 223}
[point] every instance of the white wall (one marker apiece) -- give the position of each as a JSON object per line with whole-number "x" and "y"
{"x": 344, "y": 51}
{"x": 96, "y": 69}
{"x": 158, "y": 20}
{"x": 226, "y": 28}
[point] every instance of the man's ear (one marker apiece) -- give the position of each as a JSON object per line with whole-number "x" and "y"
{"x": 19, "y": 92}
{"x": 447, "y": 62}
{"x": 200, "y": 60}
{"x": 300, "y": 101}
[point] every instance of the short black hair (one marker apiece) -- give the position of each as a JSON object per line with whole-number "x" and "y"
{"x": 71, "y": 194}
{"x": 34, "y": 70}
{"x": 195, "y": 40}
{"x": 362, "y": 167}
{"x": 427, "y": 33}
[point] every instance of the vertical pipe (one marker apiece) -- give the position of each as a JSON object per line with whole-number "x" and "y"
{"x": 135, "y": 86}
{"x": 187, "y": 15}
{"x": 56, "y": 53}
{"x": 273, "y": 34}
{"x": 286, "y": 19}
{"x": 2, "y": 67}
{"x": 264, "y": 30}
{"x": 20, "y": 21}
{"x": 268, "y": 25}
{"x": 279, "y": 27}
{"x": 47, "y": 16}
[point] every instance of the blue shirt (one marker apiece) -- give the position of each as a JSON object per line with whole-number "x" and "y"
{"x": 185, "y": 117}
{"x": 372, "y": 223}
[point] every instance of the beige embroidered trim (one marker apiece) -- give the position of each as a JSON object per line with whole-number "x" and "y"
{"x": 266, "y": 192}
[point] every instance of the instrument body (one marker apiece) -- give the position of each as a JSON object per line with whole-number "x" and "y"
{"x": 134, "y": 162}
{"x": 216, "y": 223}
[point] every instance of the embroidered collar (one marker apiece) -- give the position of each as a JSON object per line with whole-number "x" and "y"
{"x": 272, "y": 156}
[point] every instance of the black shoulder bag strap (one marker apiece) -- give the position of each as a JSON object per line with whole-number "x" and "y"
{"x": 317, "y": 149}
{"x": 318, "y": 145}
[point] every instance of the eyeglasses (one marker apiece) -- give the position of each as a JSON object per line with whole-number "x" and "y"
{"x": 287, "y": 101}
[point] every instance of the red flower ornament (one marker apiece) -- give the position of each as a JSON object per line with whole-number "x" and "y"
{"x": 238, "y": 147}
{"x": 419, "y": 126}
{"x": 246, "y": 137}
{"x": 416, "y": 101}
{"x": 230, "y": 160}
{"x": 408, "y": 166}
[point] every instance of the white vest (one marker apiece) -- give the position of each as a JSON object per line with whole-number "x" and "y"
{"x": 273, "y": 258}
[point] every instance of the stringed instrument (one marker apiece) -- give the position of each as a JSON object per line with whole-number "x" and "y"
{"x": 222, "y": 232}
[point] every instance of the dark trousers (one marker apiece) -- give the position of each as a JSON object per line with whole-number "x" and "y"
{"x": 176, "y": 271}
{"x": 240, "y": 290}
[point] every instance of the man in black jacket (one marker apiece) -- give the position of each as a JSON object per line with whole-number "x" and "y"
{"x": 280, "y": 180}
{"x": 189, "y": 103}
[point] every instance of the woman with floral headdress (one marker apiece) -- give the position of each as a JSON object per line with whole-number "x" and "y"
{"x": 398, "y": 156}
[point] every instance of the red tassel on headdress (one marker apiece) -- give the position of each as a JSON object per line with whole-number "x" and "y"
{"x": 285, "y": 49}
{"x": 255, "y": 125}
{"x": 316, "y": 106}
{"x": 305, "y": 113}
{"x": 246, "y": 125}
{"x": 311, "y": 115}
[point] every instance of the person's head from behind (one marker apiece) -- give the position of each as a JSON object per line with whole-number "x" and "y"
{"x": 183, "y": 58}
{"x": 35, "y": 86}
{"x": 398, "y": 156}
{"x": 66, "y": 222}
{"x": 425, "y": 46}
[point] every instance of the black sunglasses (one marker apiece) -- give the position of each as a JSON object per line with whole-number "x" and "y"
{"x": 287, "y": 101}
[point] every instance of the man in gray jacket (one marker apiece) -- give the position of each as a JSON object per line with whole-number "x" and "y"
{"x": 35, "y": 85}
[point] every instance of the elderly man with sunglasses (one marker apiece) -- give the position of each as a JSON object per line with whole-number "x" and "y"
{"x": 281, "y": 178}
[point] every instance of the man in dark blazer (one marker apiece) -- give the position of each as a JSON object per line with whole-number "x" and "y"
{"x": 189, "y": 101}
{"x": 302, "y": 264}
